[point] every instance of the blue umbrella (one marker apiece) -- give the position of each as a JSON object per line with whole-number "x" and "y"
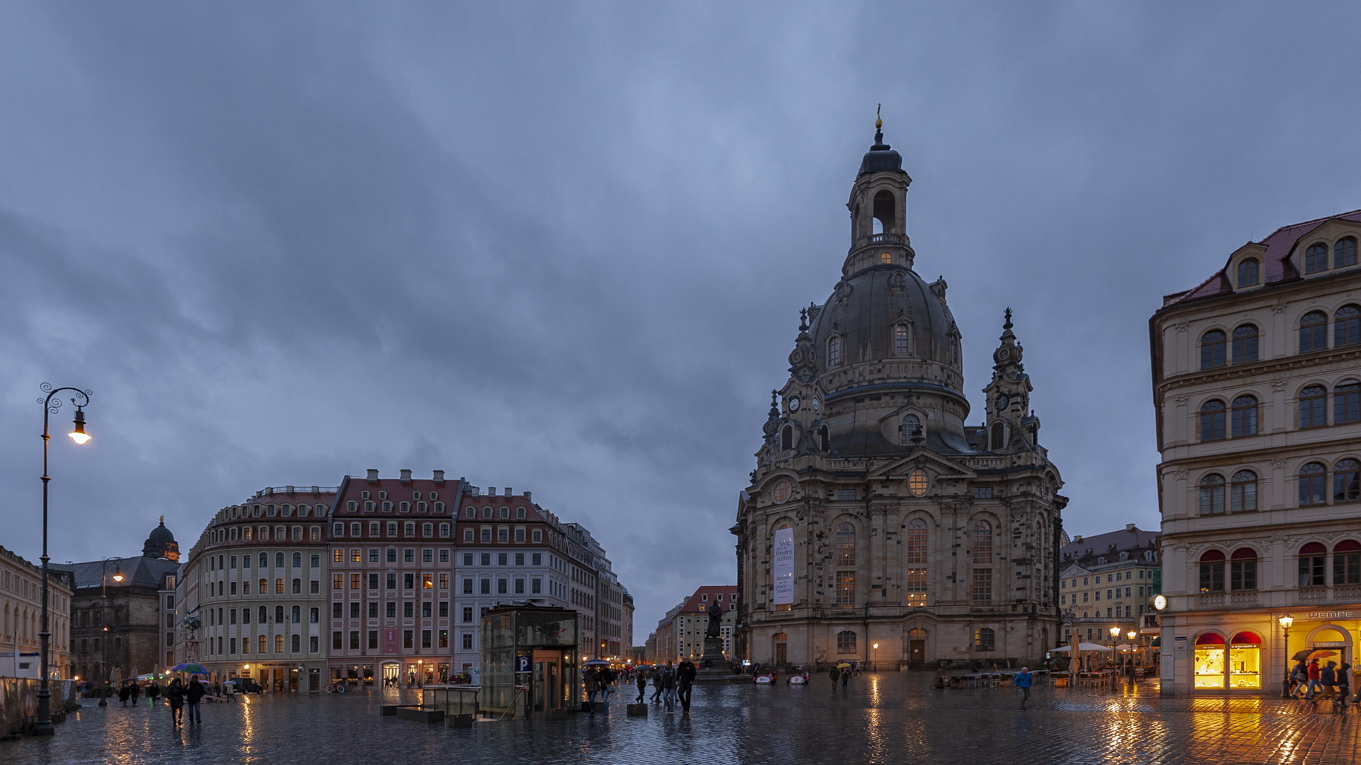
{"x": 190, "y": 667}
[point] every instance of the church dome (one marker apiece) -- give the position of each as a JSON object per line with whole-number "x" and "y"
{"x": 888, "y": 313}
{"x": 160, "y": 543}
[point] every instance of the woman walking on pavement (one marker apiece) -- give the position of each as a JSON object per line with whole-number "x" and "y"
{"x": 175, "y": 695}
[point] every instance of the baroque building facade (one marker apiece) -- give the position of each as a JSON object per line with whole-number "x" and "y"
{"x": 875, "y": 515}
{"x": 21, "y": 587}
{"x": 119, "y": 610}
{"x": 1258, "y": 402}
{"x": 252, "y": 594}
{"x": 1109, "y": 580}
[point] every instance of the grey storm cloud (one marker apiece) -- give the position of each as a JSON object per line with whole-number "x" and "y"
{"x": 562, "y": 246}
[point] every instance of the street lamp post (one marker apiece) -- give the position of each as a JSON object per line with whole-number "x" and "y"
{"x": 1130, "y": 656}
{"x": 1115, "y": 676}
{"x": 104, "y": 621}
{"x": 1286, "y": 621}
{"x": 874, "y": 658}
{"x": 42, "y": 726}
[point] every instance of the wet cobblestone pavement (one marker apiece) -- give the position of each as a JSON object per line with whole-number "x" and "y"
{"x": 890, "y": 718}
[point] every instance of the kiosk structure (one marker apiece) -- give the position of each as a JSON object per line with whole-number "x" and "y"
{"x": 529, "y": 661}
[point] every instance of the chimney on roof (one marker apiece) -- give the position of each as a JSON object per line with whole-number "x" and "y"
{"x": 1077, "y": 539}
{"x": 373, "y": 475}
{"x": 439, "y": 477}
{"x": 1129, "y": 527}
{"x": 508, "y": 491}
{"x": 288, "y": 489}
{"x": 491, "y": 491}
{"x": 527, "y": 499}
{"x": 316, "y": 489}
{"x": 406, "y": 475}
{"x": 467, "y": 487}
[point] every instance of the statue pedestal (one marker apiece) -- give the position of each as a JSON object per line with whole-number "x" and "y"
{"x": 713, "y": 666}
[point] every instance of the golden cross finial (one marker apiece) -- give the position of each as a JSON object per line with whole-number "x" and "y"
{"x": 878, "y": 121}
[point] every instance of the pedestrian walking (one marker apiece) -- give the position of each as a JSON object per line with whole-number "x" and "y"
{"x": 1299, "y": 677}
{"x": 1328, "y": 678}
{"x": 123, "y": 694}
{"x": 134, "y": 693}
{"x": 640, "y": 678}
{"x": 1023, "y": 680}
{"x": 669, "y": 687}
{"x": 685, "y": 678}
{"x": 194, "y": 694}
{"x": 153, "y": 693}
{"x": 834, "y": 675}
{"x": 175, "y": 695}
{"x": 1344, "y": 686}
{"x": 657, "y": 684}
{"x": 845, "y": 677}
{"x": 592, "y": 681}
{"x": 1312, "y": 685}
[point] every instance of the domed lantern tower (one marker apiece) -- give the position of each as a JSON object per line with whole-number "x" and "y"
{"x": 875, "y": 514}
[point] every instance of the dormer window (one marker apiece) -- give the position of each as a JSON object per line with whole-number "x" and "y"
{"x": 1344, "y": 252}
{"x": 902, "y": 340}
{"x": 1316, "y": 258}
{"x": 834, "y": 351}
{"x": 910, "y": 430}
{"x": 1248, "y": 273}
{"x": 997, "y": 439}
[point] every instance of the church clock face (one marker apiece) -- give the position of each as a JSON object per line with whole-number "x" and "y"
{"x": 817, "y": 404}
{"x": 794, "y": 403}
{"x": 782, "y": 491}
{"x": 1003, "y": 400}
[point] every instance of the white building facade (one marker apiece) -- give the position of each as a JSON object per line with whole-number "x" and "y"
{"x": 1257, "y": 388}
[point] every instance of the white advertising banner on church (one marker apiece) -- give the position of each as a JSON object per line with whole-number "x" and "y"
{"x": 784, "y": 566}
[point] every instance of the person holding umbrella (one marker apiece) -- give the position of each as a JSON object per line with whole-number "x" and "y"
{"x": 194, "y": 694}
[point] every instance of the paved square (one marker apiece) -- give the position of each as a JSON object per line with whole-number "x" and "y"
{"x": 888, "y": 718}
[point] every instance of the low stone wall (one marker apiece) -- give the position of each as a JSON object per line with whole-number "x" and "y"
{"x": 19, "y": 702}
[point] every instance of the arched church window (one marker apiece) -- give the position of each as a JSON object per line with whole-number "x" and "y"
{"x": 902, "y": 340}
{"x": 910, "y": 430}
{"x": 834, "y": 351}
{"x": 824, "y": 439}
{"x": 845, "y": 545}
{"x": 787, "y": 437}
{"x": 845, "y": 641}
{"x": 982, "y": 541}
{"x": 915, "y": 559}
{"x": 998, "y": 438}
{"x": 885, "y": 212}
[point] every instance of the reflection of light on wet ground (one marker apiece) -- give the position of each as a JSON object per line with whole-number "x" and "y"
{"x": 886, "y": 719}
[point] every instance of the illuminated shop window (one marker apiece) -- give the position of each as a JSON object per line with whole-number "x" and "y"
{"x": 1245, "y": 661}
{"x": 1209, "y": 661}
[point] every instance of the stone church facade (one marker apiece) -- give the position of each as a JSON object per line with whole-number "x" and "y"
{"x": 878, "y": 526}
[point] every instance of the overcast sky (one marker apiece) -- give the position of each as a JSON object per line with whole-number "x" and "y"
{"x": 562, "y": 247}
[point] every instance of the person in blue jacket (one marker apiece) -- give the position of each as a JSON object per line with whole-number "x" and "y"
{"x": 1023, "y": 681}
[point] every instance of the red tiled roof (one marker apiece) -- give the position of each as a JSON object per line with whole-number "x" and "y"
{"x": 496, "y": 502}
{"x": 1276, "y": 267}
{"x": 697, "y": 604}
{"x": 398, "y": 491}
